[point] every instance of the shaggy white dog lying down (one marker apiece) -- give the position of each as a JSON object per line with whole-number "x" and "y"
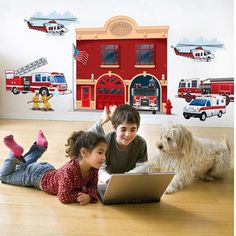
{"x": 188, "y": 156}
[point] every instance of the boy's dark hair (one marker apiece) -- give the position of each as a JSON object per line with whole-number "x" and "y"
{"x": 125, "y": 113}
{"x": 81, "y": 139}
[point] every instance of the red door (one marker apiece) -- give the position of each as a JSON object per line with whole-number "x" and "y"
{"x": 86, "y": 96}
{"x": 110, "y": 91}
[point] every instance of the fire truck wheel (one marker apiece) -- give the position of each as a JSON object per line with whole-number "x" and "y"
{"x": 43, "y": 91}
{"x": 220, "y": 114}
{"x": 203, "y": 116}
{"x": 188, "y": 97}
{"x": 15, "y": 90}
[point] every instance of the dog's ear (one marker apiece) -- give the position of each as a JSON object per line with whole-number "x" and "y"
{"x": 187, "y": 141}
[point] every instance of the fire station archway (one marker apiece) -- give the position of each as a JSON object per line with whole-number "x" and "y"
{"x": 110, "y": 90}
{"x": 143, "y": 83}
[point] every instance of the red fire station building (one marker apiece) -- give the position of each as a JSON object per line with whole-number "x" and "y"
{"x": 127, "y": 63}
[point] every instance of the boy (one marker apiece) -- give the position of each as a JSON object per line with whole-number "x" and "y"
{"x": 125, "y": 148}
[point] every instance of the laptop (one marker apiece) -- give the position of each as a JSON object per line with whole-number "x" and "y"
{"x": 134, "y": 188}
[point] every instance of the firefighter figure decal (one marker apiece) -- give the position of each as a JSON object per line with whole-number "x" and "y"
{"x": 41, "y": 104}
{"x": 43, "y": 84}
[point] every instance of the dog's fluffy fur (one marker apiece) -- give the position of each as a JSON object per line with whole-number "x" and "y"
{"x": 188, "y": 156}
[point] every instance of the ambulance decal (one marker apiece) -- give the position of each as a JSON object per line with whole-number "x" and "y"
{"x": 205, "y": 106}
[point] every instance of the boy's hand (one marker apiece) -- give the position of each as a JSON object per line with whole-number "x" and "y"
{"x": 112, "y": 109}
{"x": 83, "y": 198}
{"x": 107, "y": 114}
{"x": 105, "y": 117}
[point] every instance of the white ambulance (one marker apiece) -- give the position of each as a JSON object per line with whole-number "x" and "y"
{"x": 205, "y": 106}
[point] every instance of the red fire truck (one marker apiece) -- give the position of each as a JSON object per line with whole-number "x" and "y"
{"x": 192, "y": 88}
{"x": 145, "y": 97}
{"x": 41, "y": 82}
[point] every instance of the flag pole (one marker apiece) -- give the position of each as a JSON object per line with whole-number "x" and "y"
{"x": 73, "y": 79}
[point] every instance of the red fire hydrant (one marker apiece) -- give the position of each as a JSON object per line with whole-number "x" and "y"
{"x": 168, "y": 107}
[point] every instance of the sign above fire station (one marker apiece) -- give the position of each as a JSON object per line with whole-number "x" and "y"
{"x": 120, "y": 28}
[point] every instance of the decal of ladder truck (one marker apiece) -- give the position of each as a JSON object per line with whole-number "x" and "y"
{"x": 192, "y": 88}
{"x": 145, "y": 97}
{"x": 39, "y": 82}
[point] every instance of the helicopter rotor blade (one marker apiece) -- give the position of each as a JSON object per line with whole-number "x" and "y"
{"x": 186, "y": 45}
{"x": 39, "y": 18}
{"x": 213, "y": 45}
{"x": 201, "y": 45}
{"x": 61, "y": 19}
{"x": 66, "y": 19}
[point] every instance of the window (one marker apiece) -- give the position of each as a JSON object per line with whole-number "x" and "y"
{"x": 194, "y": 84}
{"x": 38, "y": 78}
{"x": 208, "y": 103}
{"x": 110, "y": 54}
{"x": 106, "y": 90}
{"x": 145, "y": 54}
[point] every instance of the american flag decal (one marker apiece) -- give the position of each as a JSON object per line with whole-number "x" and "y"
{"x": 80, "y": 56}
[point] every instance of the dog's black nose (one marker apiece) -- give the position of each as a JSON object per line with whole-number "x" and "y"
{"x": 160, "y": 146}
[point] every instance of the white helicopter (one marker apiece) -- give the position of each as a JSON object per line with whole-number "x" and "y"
{"x": 51, "y": 26}
{"x": 198, "y": 53}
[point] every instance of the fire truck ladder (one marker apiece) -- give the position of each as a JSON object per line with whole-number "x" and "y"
{"x": 31, "y": 66}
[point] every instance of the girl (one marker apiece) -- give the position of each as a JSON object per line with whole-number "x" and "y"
{"x": 75, "y": 181}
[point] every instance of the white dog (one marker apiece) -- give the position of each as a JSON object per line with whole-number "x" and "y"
{"x": 189, "y": 157}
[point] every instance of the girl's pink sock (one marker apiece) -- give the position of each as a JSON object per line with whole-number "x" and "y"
{"x": 41, "y": 140}
{"x": 16, "y": 149}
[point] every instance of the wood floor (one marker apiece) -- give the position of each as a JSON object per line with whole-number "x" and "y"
{"x": 202, "y": 209}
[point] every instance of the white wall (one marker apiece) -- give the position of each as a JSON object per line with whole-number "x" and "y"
{"x": 186, "y": 18}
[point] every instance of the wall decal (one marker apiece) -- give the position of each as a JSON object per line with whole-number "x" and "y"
{"x": 52, "y": 24}
{"x": 80, "y": 56}
{"x": 40, "y": 82}
{"x": 198, "y": 51}
{"x": 129, "y": 66}
{"x": 194, "y": 87}
{"x": 41, "y": 104}
{"x": 205, "y": 106}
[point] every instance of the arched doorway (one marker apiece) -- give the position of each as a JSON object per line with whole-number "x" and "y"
{"x": 110, "y": 90}
{"x": 145, "y": 93}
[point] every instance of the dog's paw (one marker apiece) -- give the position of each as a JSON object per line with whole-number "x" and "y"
{"x": 208, "y": 178}
{"x": 170, "y": 189}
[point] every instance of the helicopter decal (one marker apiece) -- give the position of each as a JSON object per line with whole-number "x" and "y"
{"x": 49, "y": 25}
{"x": 198, "y": 53}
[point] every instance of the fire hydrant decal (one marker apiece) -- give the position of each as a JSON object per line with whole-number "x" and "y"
{"x": 168, "y": 107}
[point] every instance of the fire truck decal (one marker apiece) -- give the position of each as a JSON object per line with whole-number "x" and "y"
{"x": 192, "y": 88}
{"x": 145, "y": 95}
{"x": 41, "y": 82}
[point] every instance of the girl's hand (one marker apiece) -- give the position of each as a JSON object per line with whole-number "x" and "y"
{"x": 83, "y": 198}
